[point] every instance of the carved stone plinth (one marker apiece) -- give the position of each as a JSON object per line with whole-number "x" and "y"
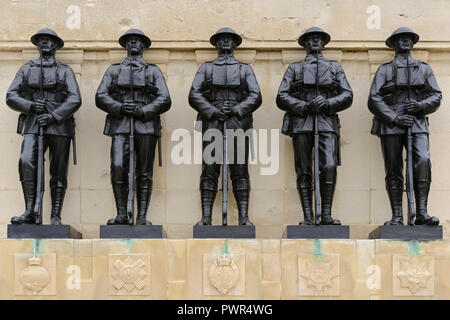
{"x": 407, "y": 233}
{"x": 48, "y": 231}
{"x": 317, "y": 232}
{"x": 125, "y": 231}
{"x": 235, "y": 232}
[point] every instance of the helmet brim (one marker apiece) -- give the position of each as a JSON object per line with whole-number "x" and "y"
{"x": 35, "y": 38}
{"x": 325, "y": 37}
{"x": 123, "y": 39}
{"x": 215, "y": 37}
{"x": 389, "y": 41}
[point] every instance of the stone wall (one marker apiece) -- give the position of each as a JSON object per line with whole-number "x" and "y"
{"x": 180, "y": 31}
{"x": 224, "y": 269}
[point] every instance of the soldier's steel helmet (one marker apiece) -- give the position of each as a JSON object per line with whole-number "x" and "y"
{"x": 229, "y": 31}
{"x": 314, "y": 30}
{"x": 47, "y": 33}
{"x": 399, "y": 31}
{"x": 134, "y": 32}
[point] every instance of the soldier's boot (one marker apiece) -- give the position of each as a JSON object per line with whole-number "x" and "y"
{"x": 395, "y": 198}
{"x": 207, "y": 198}
{"x": 326, "y": 195}
{"x": 120, "y": 197}
{"x": 144, "y": 193}
{"x": 421, "y": 192}
{"x": 242, "y": 197}
{"x": 57, "y": 195}
{"x": 29, "y": 192}
{"x": 306, "y": 201}
{"x": 241, "y": 191}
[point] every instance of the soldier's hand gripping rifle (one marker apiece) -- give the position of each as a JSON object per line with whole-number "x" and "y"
{"x": 317, "y": 203}
{"x": 409, "y": 162}
{"x": 40, "y": 183}
{"x": 130, "y": 200}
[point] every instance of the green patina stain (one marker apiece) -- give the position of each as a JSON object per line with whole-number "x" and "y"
{"x": 413, "y": 247}
{"x": 225, "y": 247}
{"x": 37, "y": 246}
{"x": 129, "y": 243}
{"x": 317, "y": 248}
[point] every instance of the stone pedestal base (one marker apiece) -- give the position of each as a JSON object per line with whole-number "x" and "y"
{"x": 317, "y": 232}
{"x": 32, "y": 231}
{"x": 125, "y": 231}
{"x": 407, "y": 233}
{"x": 234, "y": 232}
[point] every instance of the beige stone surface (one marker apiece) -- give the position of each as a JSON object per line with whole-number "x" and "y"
{"x": 187, "y": 269}
{"x": 180, "y": 45}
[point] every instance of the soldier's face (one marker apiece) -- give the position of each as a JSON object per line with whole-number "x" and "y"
{"x": 314, "y": 43}
{"x": 46, "y": 44}
{"x": 134, "y": 45}
{"x": 403, "y": 43}
{"x": 225, "y": 43}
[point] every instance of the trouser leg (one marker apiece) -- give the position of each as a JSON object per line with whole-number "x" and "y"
{"x": 241, "y": 180}
{"x": 422, "y": 179}
{"x": 392, "y": 149}
{"x": 328, "y": 173}
{"x": 59, "y": 150}
{"x": 27, "y": 173}
{"x": 303, "y": 144}
{"x": 120, "y": 152}
{"x": 145, "y": 156}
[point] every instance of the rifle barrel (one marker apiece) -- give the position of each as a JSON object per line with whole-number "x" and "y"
{"x": 317, "y": 203}
{"x": 40, "y": 183}
{"x": 130, "y": 202}
{"x": 409, "y": 178}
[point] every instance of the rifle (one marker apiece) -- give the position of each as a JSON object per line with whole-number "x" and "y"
{"x": 40, "y": 183}
{"x": 158, "y": 124}
{"x": 409, "y": 162}
{"x": 225, "y": 165}
{"x": 130, "y": 201}
{"x": 317, "y": 203}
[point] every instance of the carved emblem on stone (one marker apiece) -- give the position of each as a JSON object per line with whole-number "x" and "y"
{"x": 129, "y": 274}
{"x": 224, "y": 274}
{"x": 318, "y": 275}
{"x": 413, "y": 275}
{"x": 35, "y": 275}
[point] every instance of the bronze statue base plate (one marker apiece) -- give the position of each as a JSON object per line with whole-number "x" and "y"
{"x": 407, "y": 233}
{"x": 43, "y": 231}
{"x": 127, "y": 232}
{"x": 317, "y": 232}
{"x": 235, "y": 232}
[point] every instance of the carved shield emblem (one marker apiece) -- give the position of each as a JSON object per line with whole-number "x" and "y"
{"x": 35, "y": 277}
{"x": 224, "y": 274}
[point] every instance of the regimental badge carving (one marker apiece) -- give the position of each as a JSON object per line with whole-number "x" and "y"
{"x": 35, "y": 275}
{"x": 129, "y": 274}
{"x": 224, "y": 274}
{"x": 318, "y": 275}
{"x": 413, "y": 275}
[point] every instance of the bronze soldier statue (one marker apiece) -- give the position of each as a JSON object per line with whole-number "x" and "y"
{"x": 46, "y": 94}
{"x": 134, "y": 94}
{"x": 225, "y": 93}
{"x": 404, "y": 91}
{"x": 312, "y": 92}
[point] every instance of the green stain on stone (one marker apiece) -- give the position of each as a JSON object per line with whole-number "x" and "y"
{"x": 225, "y": 247}
{"x": 413, "y": 247}
{"x": 129, "y": 243}
{"x": 37, "y": 244}
{"x": 317, "y": 248}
